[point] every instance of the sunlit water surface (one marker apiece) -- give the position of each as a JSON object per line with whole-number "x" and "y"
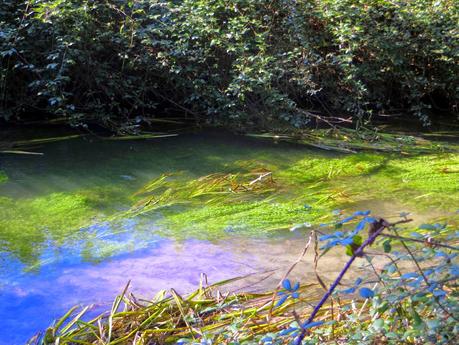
{"x": 46, "y": 272}
{"x": 42, "y": 279}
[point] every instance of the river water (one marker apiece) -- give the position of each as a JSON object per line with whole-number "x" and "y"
{"x": 58, "y": 250}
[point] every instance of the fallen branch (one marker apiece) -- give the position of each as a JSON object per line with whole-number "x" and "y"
{"x": 260, "y": 178}
{"x": 303, "y": 253}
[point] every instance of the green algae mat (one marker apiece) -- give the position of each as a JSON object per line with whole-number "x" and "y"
{"x": 206, "y": 186}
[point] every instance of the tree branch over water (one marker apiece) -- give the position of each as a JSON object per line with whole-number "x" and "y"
{"x": 357, "y": 253}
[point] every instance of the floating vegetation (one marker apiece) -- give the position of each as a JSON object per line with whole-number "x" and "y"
{"x": 23, "y": 147}
{"x": 41, "y": 141}
{"x": 142, "y": 136}
{"x": 410, "y": 298}
{"x": 346, "y": 140}
{"x": 224, "y": 203}
{"x": 214, "y": 188}
{"x": 20, "y": 152}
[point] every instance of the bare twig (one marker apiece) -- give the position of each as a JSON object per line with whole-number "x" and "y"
{"x": 305, "y": 249}
{"x": 426, "y": 241}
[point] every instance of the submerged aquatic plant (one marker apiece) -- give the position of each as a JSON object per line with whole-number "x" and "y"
{"x": 223, "y": 203}
{"x": 28, "y": 225}
{"x": 257, "y": 199}
{"x": 251, "y": 194}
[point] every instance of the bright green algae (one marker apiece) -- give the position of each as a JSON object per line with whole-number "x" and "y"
{"x": 27, "y": 224}
{"x": 308, "y": 185}
{"x": 3, "y": 177}
{"x": 423, "y": 182}
{"x": 310, "y": 188}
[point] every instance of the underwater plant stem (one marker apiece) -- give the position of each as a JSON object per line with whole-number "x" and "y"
{"x": 356, "y": 254}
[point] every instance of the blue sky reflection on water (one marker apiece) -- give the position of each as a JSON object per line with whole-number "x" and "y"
{"x": 30, "y": 301}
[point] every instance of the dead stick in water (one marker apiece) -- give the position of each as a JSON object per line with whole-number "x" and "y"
{"x": 305, "y": 249}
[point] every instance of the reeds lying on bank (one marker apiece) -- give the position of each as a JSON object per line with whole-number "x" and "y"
{"x": 169, "y": 317}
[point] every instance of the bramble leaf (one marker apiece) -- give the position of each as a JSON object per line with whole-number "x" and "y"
{"x": 366, "y": 292}
{"x": 286, "y": 284}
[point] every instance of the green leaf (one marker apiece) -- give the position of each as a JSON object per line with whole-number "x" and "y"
{"x": 349, "y": 250}
{"x": 387, "y": 246}
{"x": 384, "y": 306}
{"x": 417, "y": 321}
{"x": 358, "y": 240}
{"x": 378, "y": 324}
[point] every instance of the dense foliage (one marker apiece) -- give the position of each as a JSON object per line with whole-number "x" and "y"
{"x": 226, "y": 62}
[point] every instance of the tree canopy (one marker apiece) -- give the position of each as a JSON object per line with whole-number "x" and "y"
{"x": 246, "y": 63}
